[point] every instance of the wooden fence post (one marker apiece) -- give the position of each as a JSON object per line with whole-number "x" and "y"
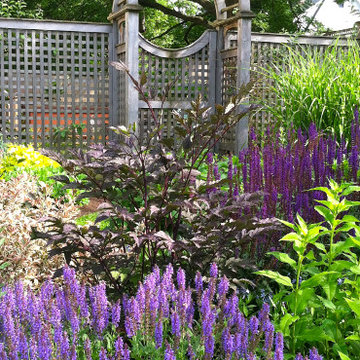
{"x": 132, "y": 60}
{"x": 126, "y": 14}
{"x": 243, "y": 67}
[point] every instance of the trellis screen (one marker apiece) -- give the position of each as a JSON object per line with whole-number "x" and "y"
{"x": 54, "y": 82}
{"x": 267, "y": 50}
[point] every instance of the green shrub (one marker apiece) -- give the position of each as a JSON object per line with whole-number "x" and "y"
{"x": 321, "y": 305}
{"x": 314, "y": 87}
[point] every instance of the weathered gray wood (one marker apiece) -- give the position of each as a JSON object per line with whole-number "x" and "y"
{"x": 175, "y": 53}
{"x": 45, "y": 77}
{"x": 72, "y": 77}
{"x": 302, "y": 40}
{"x": 132, "y": 61}
{"x": 157, "y": 104}
{"x": 26, "y": 84}
{"x": 212, "y": 84}
{"x": 34, "y": 86}
{"x": 18, "y": 86}
{"x": 2, "y": 89}
{"x": 50, "y": 91}
{"x": 42, "y": 92}
{"x": 243, "y": 69}
{"x": 54, "y": 25}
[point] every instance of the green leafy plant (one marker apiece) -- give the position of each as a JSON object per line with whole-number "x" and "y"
{"x": 321, "y": 305}
{"x": 315, "y": 87}
{"x": 73, "y": 134}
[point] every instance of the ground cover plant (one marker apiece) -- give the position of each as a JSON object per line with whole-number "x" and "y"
{"x": 329, "y": 104}
{"x": 27, "y": 196}
{"x": 165, "y": 320}
{"x": 17, "y": 159}
{"x": 23, "y": 203}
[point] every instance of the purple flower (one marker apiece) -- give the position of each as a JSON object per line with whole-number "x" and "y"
{"x": 209, "y": 343}
{"x": 223, "y": 287}
{"x": 269, "y": 337}
{"x": 254, "y": 328}
{"x": 103, "y": 355}
{"x": 279, "y": 347}
{"x": 158, "y": 334}
{"x": 198, "y": 282}
{"x": 87, "y": 348}
{"x": 119, "y": 348}
{"x": 228, "y": 342}
{"x": 213, "y": 270}
{"x": 314, "y": 355}
{"x": 181, "y": 279}
{"x": 216, "y": 173}
{"x": 115, "y": 313}
{"x": 169, "y": 353}
{"x": 175, "y": 324}
{"x": 210, "y": 158}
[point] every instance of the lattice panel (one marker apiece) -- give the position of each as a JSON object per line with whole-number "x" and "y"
{"x": 190, "y": 75}
{"x": 122, "y": 84}
{"x": 165, "y": 116}
{"x": 52, "y": 84}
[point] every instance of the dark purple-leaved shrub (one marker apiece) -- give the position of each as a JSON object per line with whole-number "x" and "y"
{"x": 157, "y": 209}
{"x": 166, "y": 319}
{"x": 285, "y": 173}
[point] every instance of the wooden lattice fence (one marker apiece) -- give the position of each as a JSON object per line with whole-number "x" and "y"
{"x": 57, "y": 88}
{"x": 54, "y": 82}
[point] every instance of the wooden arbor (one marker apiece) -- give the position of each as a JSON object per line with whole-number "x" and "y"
{"x": 199, "y": 67}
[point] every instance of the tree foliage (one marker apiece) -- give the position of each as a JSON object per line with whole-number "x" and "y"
{"x": 19, "y": 9}
{"x": 176, "y": 23}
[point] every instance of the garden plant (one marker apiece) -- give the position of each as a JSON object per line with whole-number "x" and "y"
{"x": 158, "y": 210}
{"x": 187, "y": 253}
{"x": 316, "y": 87}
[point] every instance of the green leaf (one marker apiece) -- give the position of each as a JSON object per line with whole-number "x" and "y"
{"x": 302, "y": 224}
{"x": 353, "y": 338}
{"x": 285, "y": 323}
{"x": 312, "y": 334}
{"x": 350, "y": 189}
{"x": 342, "y": 246}
{"x": 291, "y": 237}
{"x": 343, "y": 356}
{"x": 355, "y": 269}
{"x": 354, "y": 305}
{"x": 280, "y": 279}
{"x": 321, "y": 247}
{"x": 316, "y": 280}
{"x": 303, "y": 299}
{"x": 350, "y": 218}
{"x": 327, "y": 303}
{"x": 288, "y": 224}
{"x": 325, "y": 213}
{"x": 284, "y": 258}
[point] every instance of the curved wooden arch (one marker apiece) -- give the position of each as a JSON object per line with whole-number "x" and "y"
{"x": 189, "y": 50}
{"x": 220, "y": 5}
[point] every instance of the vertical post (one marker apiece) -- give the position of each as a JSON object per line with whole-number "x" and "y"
{"x": 126, "y": 42}
{"x": 132, "y": 61}
{"x": 243, "y": 66}
{"x": 212, "y": 68}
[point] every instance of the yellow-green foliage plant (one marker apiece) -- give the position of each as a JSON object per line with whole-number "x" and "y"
{"x": 314, "y": 87}
{"x": 19, "y": 157}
